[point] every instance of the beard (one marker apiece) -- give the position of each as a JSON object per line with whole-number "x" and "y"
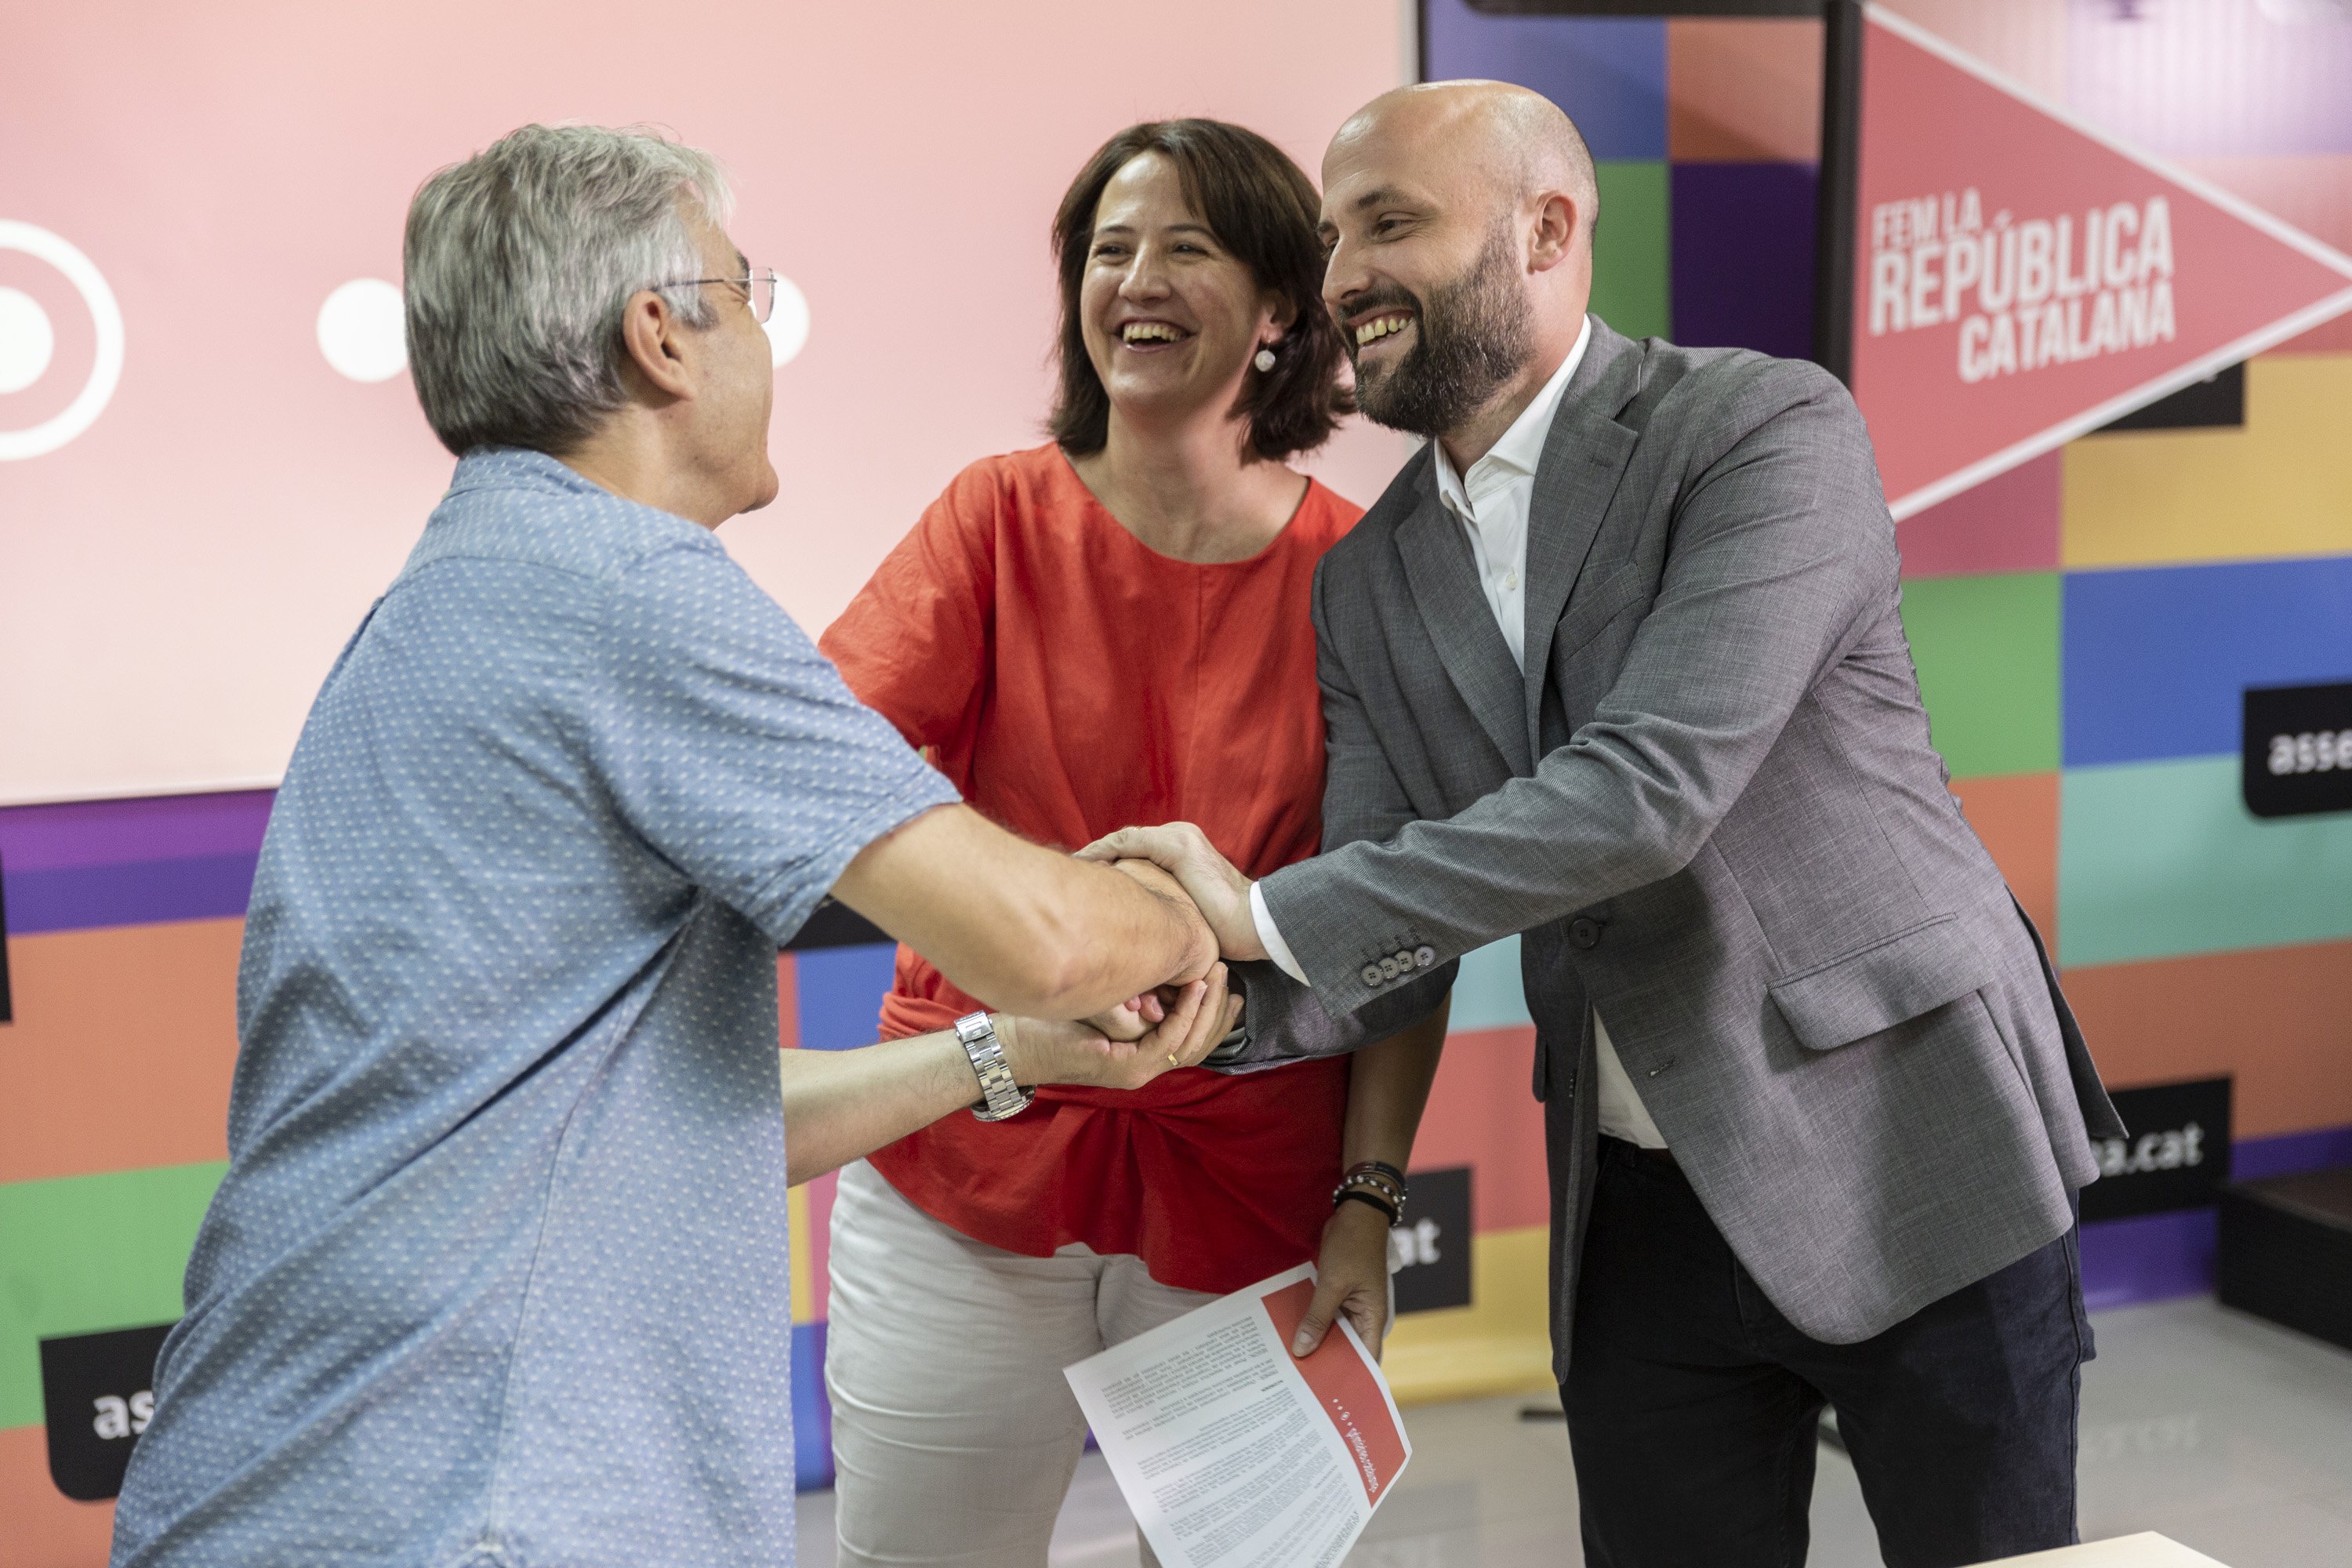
{"x": 1472, "y": 339}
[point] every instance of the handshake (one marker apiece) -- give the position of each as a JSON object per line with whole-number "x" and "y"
{"x": 1177, "y": 1023}
{"x": 1177, "y": 859}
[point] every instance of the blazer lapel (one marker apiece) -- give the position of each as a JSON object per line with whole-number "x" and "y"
{"x": 1584, "y": 457}
{"x": 1444, "y": 581}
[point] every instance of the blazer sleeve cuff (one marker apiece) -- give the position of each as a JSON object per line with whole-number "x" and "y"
{"x": 1347, "y": 963}
{"x": 1269, "y": 937}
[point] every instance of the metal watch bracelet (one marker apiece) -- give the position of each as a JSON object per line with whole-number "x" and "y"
{"x": 1000, "y": 1095}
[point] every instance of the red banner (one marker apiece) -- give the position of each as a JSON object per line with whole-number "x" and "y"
{"x": 2021, "y": 278}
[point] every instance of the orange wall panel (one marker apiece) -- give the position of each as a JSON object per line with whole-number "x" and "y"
{"x": 1743, "y": 89}
{"x": 2016, "y": 814}
{"x": 1482, "y": 1114}
{"x": 122, "y": 1051}
{"x": 40, "y": 1527}
{"x": 2279, "y": 1018}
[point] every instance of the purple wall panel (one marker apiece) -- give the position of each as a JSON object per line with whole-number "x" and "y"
{"x": 120, "y": 832}
{"x": 2149, "y": 1258}
{"x": 2290, "y": 1154}
{"x": 2156, "y": 1257}
{"x": 84, "y": 864}
{"x": 1742, "y": 248}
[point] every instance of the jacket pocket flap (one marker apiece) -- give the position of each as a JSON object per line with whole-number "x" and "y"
{"x": 1880, "y": 986}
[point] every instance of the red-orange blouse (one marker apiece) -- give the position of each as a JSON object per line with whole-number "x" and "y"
{"x": 1071, "y": 681}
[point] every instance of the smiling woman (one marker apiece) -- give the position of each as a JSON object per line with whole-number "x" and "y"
{"x": 1108, "y": 629}
{"x": 1183, "y": 196}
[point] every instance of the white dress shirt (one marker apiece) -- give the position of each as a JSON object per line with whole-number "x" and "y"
{"x": 1491, "y": 503}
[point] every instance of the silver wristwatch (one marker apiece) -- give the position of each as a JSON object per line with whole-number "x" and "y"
{"x": 1000, "y": 1095}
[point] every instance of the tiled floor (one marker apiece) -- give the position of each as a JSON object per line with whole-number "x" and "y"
{"x": 2220, "y": 1431}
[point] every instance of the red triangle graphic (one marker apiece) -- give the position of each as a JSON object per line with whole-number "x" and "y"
{"x": 2021, "y": 278}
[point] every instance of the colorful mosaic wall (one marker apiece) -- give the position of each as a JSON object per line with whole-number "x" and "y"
{"x": 2082, "y": 627}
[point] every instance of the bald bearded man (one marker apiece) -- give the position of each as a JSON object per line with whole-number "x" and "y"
{"x": 1615, "y": 664}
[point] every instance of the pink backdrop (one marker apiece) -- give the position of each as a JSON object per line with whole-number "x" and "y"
{"x": 174, "y": 580}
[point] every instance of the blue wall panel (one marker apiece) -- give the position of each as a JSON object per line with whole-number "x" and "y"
{"x": 2156, "y": 659}
{"x": 1609, "y": 73}
{"x": 141, "y": 892}
{"x": 841, "y": 992}
{"x": 812, "y": 1410}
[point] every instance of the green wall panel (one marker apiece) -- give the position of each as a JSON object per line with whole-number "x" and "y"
{"x": 1986, "y": 649}
{"x": 2162, "y": 859}
{"x": 1630, "y": 274}
{"x": 85, "y": 1253}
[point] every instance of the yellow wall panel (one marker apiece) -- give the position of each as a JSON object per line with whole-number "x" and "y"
{"x": 1500, "y": 1344}
{"x": 2281, "y": 486}
{"x": 796, "y": 1216}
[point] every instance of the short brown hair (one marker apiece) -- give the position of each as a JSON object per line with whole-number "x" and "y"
{"x": 1263, "y": 209}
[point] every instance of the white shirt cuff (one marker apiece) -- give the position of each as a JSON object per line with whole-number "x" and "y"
{"x": 1271, "y": 940}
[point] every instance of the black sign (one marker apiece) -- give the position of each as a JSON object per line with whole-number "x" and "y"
{"x": 2177, "y": 1157}
{"x": 1429, "y": 1253}
{"x": 99, "y": 1390}
{"x": 2298, "y": 756}
{"x": 834, "y": 924}
{"x": 2215, "y": 403}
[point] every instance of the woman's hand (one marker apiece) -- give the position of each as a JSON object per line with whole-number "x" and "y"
{"x": 1199, "y": 1015}
{"x": 1136, "y": 1016}
{"x": 1351, "y": 1276}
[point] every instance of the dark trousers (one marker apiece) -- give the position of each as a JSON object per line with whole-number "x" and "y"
{"x": 1692, "y": 1404}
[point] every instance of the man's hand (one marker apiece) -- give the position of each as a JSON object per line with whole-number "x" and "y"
{"x": 1200, "y": 1015}
{"x": 1184, "y": 852}
{"x": 1030, "y": 929}
{"x": 1131, "y": 1018}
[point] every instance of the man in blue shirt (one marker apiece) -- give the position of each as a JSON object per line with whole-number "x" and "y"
{"x": 498, "y": 1274}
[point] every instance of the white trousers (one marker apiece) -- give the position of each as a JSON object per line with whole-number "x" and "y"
{"x": 954, "y": 1434}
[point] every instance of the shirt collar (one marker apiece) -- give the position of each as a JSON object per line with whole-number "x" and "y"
{"x": 519, "y": 468}
{"x": 1522, "y": 445}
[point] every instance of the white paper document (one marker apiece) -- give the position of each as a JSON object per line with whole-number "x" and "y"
{"x": 1234, "y": 1453}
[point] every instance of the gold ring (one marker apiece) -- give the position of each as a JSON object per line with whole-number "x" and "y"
{"x": 1171, "y": 1058}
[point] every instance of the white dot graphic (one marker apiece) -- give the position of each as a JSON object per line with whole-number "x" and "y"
{"x": 788, "y": 323}
{"x": 26, "y": 340}
{"x": 26, "y": 349}
{"x": 361, "y": 331}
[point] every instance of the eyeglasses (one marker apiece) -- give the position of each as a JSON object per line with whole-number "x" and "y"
{"x": 758, "y": 287}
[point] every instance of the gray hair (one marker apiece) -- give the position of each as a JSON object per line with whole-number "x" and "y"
{"x": 519, "y": 262}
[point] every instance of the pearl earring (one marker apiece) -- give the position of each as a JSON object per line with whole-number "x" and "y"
{"x": 1265, "y": 359}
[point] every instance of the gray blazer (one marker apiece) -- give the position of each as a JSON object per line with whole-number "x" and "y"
{"x": 1712, "y": 807}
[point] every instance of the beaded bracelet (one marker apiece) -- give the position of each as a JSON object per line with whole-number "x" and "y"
{"x": 1394, "y": 1194}
{"x": 1376, "y": 1183}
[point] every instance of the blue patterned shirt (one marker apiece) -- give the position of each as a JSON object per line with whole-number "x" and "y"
{"x": 498, "y": 1274}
